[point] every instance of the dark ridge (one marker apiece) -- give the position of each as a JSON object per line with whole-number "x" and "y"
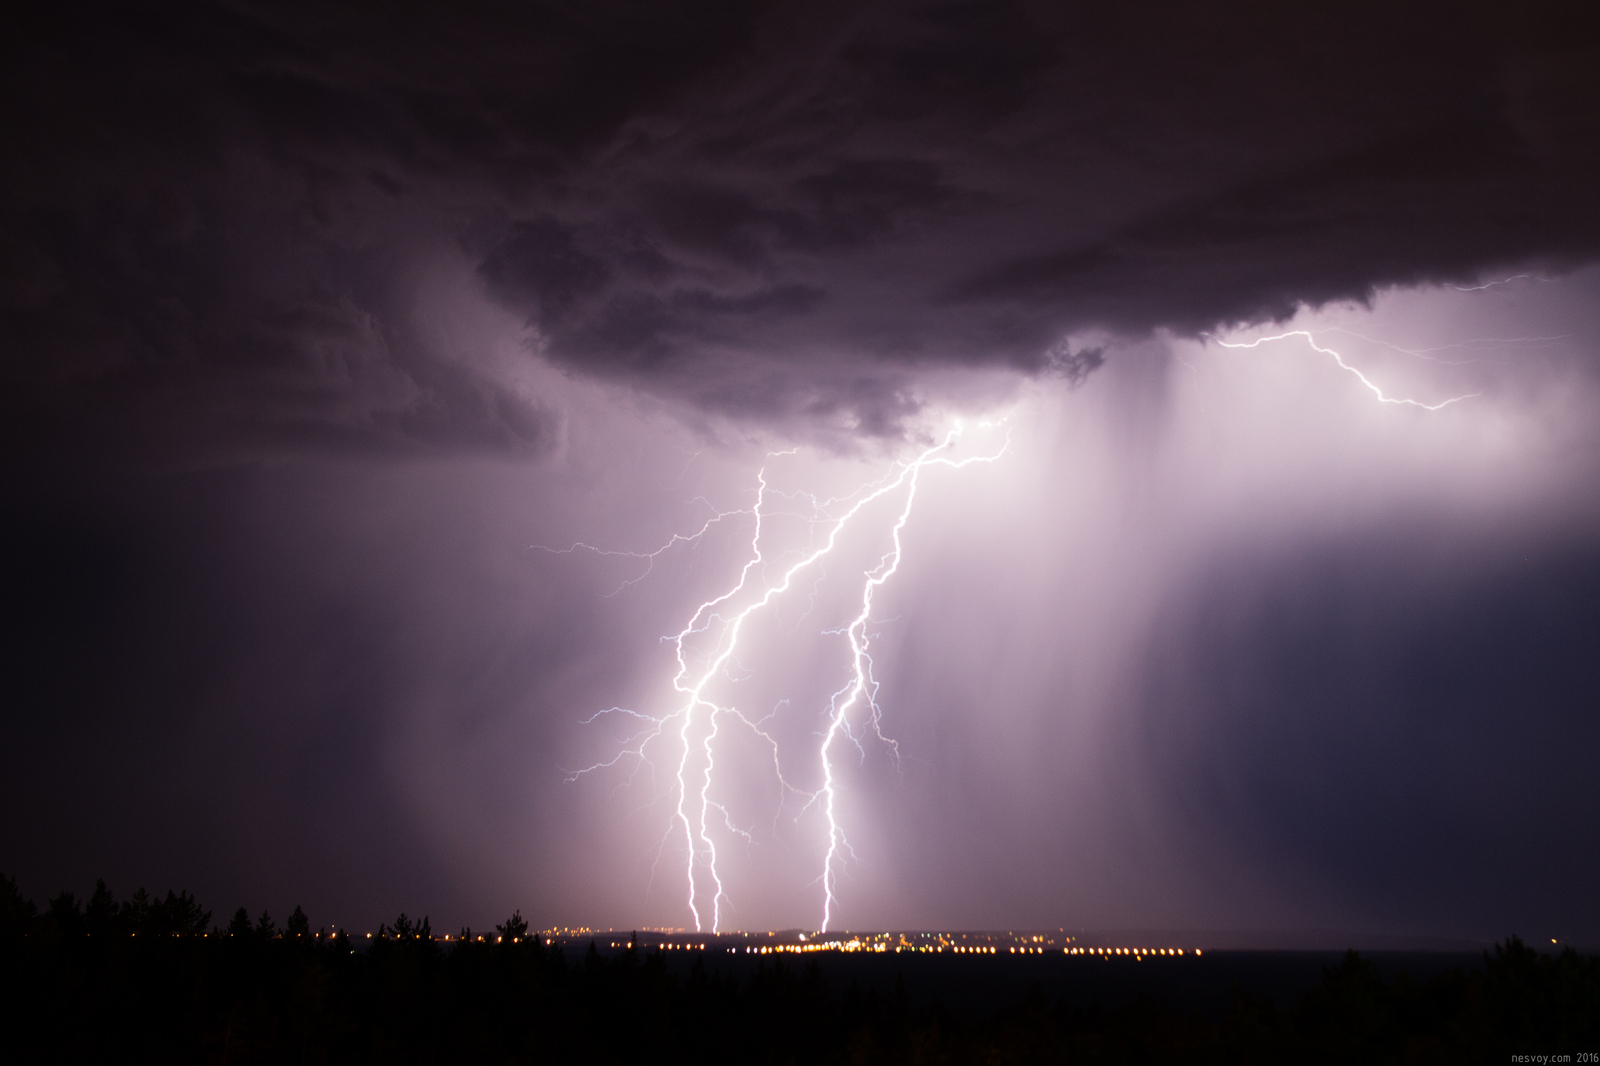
{"x": 148, "y": 979}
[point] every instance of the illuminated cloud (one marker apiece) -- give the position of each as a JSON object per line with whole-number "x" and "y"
{"x": 779, "y": 215}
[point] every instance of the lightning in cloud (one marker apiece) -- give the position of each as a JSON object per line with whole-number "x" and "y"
{"x": 1476, "y": 344}
{"x": 1337, "y": 358}
{"x": 714, "y": 630}
{"x": 1498, "y": 282}
{"x": 650, "y": 557}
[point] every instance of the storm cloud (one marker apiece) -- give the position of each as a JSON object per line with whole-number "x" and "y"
{"x": 216, "y": 215}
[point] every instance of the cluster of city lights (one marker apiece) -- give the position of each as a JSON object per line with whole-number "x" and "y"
{"x": 987, "y": 944}
{"x": 896, "y": 943}
{"x": 800, "y": 943}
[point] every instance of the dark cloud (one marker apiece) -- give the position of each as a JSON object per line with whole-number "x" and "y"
{"x": 1393, "y": 213}
{"x": 226, "y": 204}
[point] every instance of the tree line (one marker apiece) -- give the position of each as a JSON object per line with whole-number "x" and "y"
{"x": 153, "y": 979}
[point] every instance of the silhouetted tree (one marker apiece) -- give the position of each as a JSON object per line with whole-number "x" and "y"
{"x": 180, "y": 913}
{"x": 134, "y": 914}
{"x": 16, "y": 913}
{"x": 100, "y": 914}
{"x": 514, "y": 929}
{"x": 298, "y": 926}
{"x": 1347, "y": 1015}
{"x": 66, "y": 915}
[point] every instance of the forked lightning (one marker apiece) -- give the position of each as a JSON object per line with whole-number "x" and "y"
{"x": 696, "y": 720}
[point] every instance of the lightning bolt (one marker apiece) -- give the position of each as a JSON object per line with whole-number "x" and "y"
{"x": 861, "y": 687}
{"x": 1337, "y": 358}
{"x": 697, "y": 720}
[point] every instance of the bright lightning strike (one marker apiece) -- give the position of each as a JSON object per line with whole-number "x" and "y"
{"x": 1337, "y": 358}
{"x": 698, "y": 718}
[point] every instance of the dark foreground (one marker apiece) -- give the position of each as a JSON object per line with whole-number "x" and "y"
{"x": 149, "y": 980}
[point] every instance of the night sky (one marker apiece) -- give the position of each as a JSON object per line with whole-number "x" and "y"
{"x": 327, "y": 332}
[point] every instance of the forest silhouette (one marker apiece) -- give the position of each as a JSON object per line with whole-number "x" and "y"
{"x": 153, "y": 979}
